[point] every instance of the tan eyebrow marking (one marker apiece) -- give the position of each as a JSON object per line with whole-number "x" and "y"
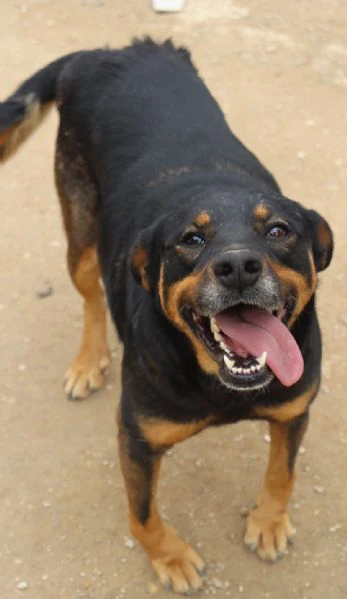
{"x": 261, "y": 212}
{"x": 202, "y": 219}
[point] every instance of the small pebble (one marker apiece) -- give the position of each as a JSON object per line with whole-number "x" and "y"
{"x": 318, "y": 489}
{"x": 267, "y": 438}
{"x": 244, "y": 511}
{"x": 22, "y": 585}
{"x": 153, "y": 588}
{"x": 130, "y": 543}
{"x": 325, "y": 389}
{"x": 92, "y": 2}
{"x": 302, "y": 450}
{"x": 271, "y": 48}
{"x": 44, "y": 292}
{"x": 301, "y": 154}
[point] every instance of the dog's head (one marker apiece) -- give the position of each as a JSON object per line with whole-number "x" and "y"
{"x": 233, "y": 273}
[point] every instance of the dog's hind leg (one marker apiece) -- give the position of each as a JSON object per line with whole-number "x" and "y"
{"x": 78, "y": 197}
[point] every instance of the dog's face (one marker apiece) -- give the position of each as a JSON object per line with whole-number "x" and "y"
{"x": 233, "y": 273}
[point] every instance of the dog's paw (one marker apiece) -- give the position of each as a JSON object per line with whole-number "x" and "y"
{"x": 179, "y": 567}
{"x": 86, "y": 373}
{"x": 268, "y": 533}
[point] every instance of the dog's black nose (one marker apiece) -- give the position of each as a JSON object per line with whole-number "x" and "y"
{"x": 238, "y": 268}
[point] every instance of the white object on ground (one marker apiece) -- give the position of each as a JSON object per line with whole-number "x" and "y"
{"x": 168, "y": 5}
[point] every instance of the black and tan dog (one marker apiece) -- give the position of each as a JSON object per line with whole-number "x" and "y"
{"x": 210, "y": 274}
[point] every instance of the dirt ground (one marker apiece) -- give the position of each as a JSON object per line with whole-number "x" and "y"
{"x": 279, "y": 71}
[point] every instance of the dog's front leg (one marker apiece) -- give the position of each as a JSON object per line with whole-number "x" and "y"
{"x": 175, "y": 562}
{"x": 268, "y": 526}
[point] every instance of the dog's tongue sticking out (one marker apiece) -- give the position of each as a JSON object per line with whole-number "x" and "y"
{"x": 257, "y": 331}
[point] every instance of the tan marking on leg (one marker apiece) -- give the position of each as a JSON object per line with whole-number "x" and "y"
{"x": 160, "y": 433}
{"x": 289, "y": 410}
{"x": 86, "y": 372}
{"x": 268, "y": 526}
{"x": 175, "y": 562}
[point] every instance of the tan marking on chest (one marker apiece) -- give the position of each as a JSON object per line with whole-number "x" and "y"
{"x": 288, "y": 410}
{"x": 165, "y": 432}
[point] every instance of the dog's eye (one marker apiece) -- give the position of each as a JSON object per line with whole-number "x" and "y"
{"x": 193, "y": 239}
{"x": 278, "y": 231}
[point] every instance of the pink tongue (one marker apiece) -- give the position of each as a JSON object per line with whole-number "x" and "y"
{"x": 257, "y": 331}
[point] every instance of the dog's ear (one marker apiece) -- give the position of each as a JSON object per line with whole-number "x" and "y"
{"x": 322, "y": 240}
{"x": 145, "y": 256}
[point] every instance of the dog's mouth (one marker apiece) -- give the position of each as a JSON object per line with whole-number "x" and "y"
{"x": 251, "y": 344}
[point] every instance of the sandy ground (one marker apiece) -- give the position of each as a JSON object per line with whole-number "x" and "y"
{"x": 280, "y": 73}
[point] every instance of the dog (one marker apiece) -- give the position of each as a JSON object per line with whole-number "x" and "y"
{"x": 210, "y": 274}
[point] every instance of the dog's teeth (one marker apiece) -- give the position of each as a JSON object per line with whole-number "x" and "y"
{"x": 239, "y": 370}
{"x": 229, "y": 363}
{"x": 224, "y": 347}
{"x": 247, "y": 370}
{"x": 262, "y": 359}
{"x": 253, "y": 368}
{"x": 215, "y": 330}
{"x": 234, "y": 370}
{"x": 214, "y": 326}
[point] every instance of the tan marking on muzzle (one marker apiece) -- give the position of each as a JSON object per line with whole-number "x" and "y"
{"x": 293, "y": 280}
{"x": 172, "y": 300}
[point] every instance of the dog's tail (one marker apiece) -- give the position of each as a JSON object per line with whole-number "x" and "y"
{"x": 25, "y": 109}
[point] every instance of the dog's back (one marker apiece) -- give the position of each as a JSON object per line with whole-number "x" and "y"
{"x": 146, "y": 99}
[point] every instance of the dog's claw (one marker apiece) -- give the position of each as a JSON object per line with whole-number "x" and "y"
{"x": 251, "y": 546}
